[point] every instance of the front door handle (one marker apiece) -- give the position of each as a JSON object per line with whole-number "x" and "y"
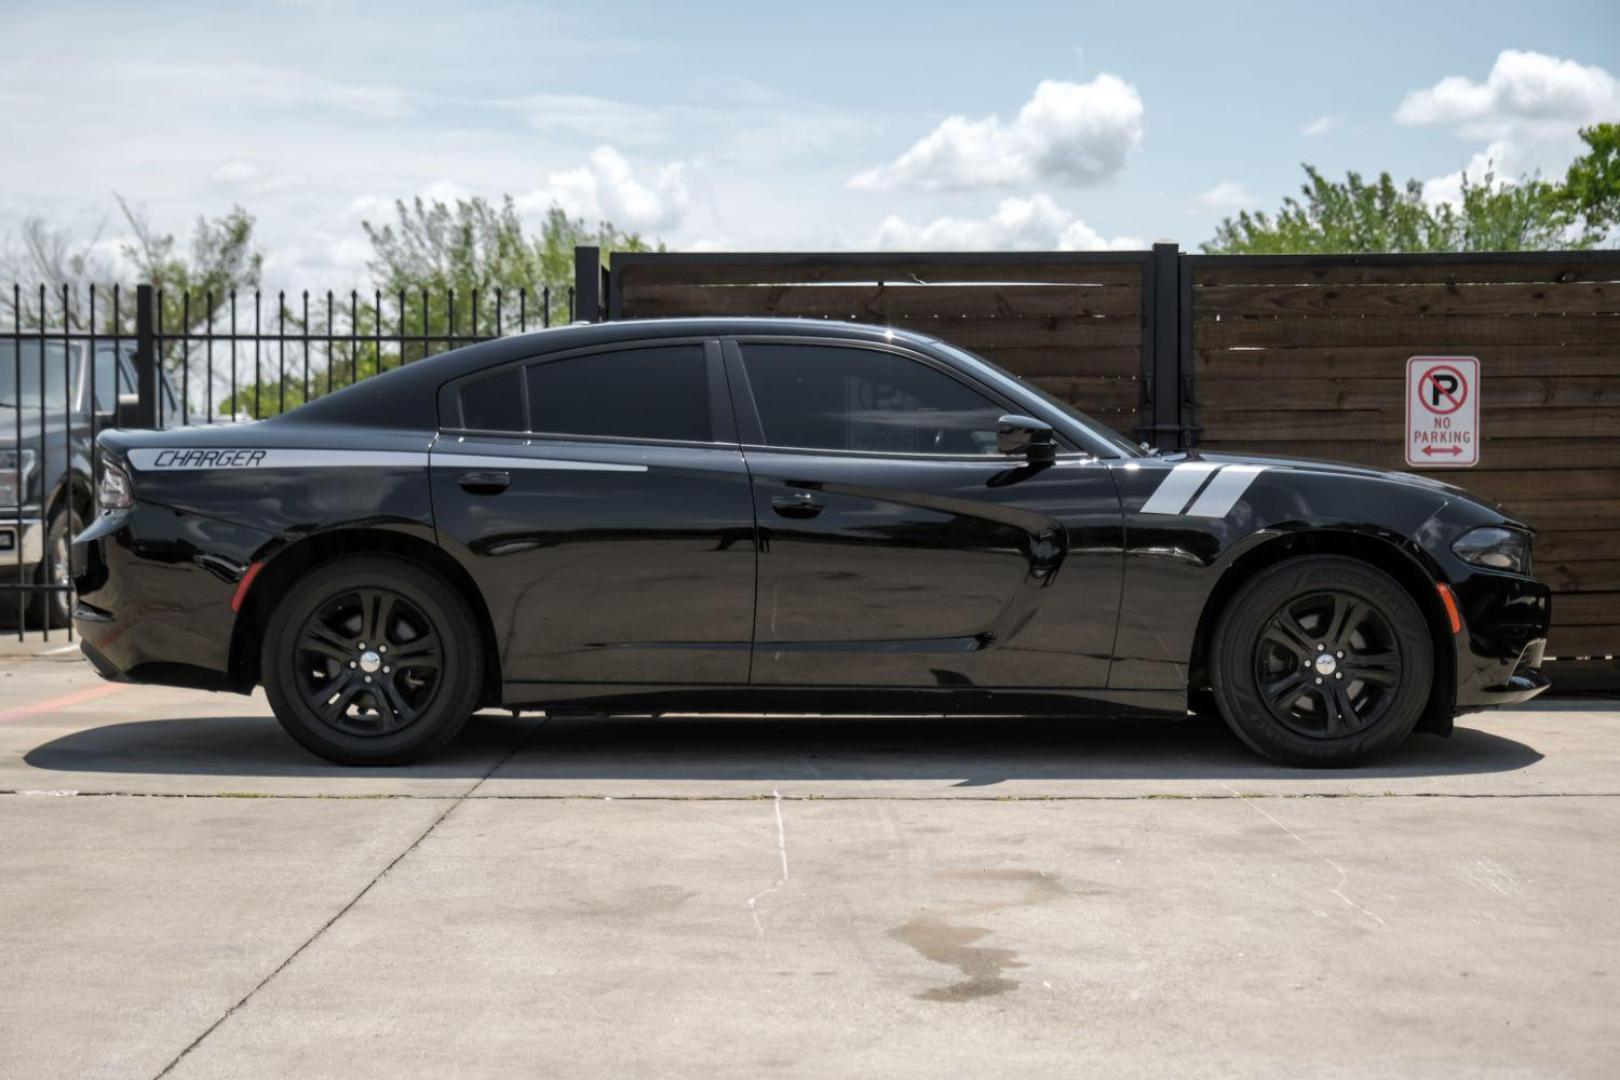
{"x": 800, "y": 504}
{"x": 485, "y": 483}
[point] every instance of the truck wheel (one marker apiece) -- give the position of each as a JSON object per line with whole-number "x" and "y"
{"x": 55, "y": 569}
{"x": 1322, "y": 661}
{"x": 372, "y": 660}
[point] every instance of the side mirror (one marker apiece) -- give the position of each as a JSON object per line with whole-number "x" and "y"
{"x": 1027, "y": 436}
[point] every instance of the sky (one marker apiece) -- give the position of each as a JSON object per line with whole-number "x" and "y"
{"x": 760, "y": 127}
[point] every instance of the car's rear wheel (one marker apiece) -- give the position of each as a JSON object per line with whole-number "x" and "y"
{"x": 371, "y": 660}
{"x": 1322, "y": 661}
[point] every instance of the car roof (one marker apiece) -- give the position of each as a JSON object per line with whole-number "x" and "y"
{"x": 407, "y": 396}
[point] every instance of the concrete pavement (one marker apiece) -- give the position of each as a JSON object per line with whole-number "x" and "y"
{"x": 185, "y": 892}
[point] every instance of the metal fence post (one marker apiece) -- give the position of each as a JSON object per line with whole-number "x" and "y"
{"x": 587, "y": 283}
{"x": 1163, "y": 295}
{"x": 146, "y": 356}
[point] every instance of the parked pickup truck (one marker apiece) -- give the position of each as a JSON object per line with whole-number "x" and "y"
{"x": 46, "y": 474}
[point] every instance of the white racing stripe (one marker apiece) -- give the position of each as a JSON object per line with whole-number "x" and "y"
{"x": 1178, "y": 487}
{"x": 442, "y": 460}
{"x": 1224, "y": 491}
{"x": 1216, "y": 500}
{"x": 198, "y": 458}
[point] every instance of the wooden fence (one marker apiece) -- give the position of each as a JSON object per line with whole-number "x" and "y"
{"x": 1069, "y": 322}
{"x": 1291, "y": 355}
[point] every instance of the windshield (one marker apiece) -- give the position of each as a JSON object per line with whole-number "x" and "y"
{"x": 1100, "y": 432}
{"x": 29, "y": 357}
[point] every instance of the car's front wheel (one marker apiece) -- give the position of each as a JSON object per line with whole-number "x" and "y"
{"x": 1322, "y": 661}
{"x": 371, "y": 660}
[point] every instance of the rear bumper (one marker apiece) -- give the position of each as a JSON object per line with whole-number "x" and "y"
{"x": 155, "y": 589}
{"x": 1504, "y": 634}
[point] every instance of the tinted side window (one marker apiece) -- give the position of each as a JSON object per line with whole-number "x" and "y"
{"x": 660, "y": 392}
{"x": 831, "y": 398}
{"x": 494, "y": 404}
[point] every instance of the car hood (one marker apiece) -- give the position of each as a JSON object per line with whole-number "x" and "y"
{"x": 1419, "y": 481}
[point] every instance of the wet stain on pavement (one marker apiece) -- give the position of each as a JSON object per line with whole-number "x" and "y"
{"x": 946, "y": 943}
{"x": 939, "y": 939}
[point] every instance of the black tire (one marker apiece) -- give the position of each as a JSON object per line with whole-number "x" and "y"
{"x": 55, "y": 608}
{"x": 397, "y": 699}
{"x": 1322, "y": 661}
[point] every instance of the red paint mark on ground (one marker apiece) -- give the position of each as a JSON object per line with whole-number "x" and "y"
{"x": 62, "y": 701}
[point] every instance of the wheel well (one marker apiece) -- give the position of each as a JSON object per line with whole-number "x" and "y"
{"x": 1362, "y": 547}
{"x": 77, "y": 488}
{"x": 287, "y": 565}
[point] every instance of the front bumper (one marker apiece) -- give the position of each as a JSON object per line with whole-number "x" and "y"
{"x": 25, "y": 535}
{"x": 1499, "y": 651}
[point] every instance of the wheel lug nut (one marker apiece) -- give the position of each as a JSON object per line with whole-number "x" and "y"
{"x": 1340, "y": 655}
{"x": 388, "y": 671}
{"x": 363, "y": 645}
{"x": 1339, "y": 675}
{"x": 1319, "y": 646}
{"x": 384, "y": 648}
{"x": 351, "y": 663}
{"x": 1318, "y": 682}
{"x": 368, "y": 679}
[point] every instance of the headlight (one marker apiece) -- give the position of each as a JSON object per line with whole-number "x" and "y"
{"x": 116, "y": 490}
{"x": 16, "y": 466}
{"x": 1496, "y": 548}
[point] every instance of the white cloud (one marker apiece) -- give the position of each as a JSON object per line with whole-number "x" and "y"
{"x": 594, "y": 117}
{"x": 1075, "y": 133}
{"x": 1033, "y": 224}
{"x": 1320, "y": 126}
{"x": 606, "y": 188}
{"x": 1527, "y": 112}
{"x": 253, "y": 177}
{"x": 1228, "y": 195}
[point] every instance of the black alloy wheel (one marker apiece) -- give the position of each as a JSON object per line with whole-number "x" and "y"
{"x": 1321, "y": 660}
{"x": 1327, "y": 664}
{"x": 369, "y": 662}
{"x": 372, "y": 660}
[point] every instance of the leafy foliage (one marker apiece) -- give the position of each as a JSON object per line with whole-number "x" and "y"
{"x": 1354, "y": 215}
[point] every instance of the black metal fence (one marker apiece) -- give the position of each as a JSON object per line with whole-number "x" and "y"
{"x": 74, "y": 362}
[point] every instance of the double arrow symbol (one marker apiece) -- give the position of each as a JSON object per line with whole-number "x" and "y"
{"x": 1430, "y": 451}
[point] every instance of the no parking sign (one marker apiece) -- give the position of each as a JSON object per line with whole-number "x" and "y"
{"x": 1442, "y": 412}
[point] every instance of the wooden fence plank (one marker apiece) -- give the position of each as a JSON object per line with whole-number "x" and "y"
{"x": 1277, "y": 390}
{"x": 1461, "y": 334}
{"x": 1600, "y": 576}
{"x": 1092, "y": 394}
{"x": 814, "y": 269}
{"x": 1584, "y": 298}
{"x": 1116, "y": 360}
{"x": 1587, "y": 609}
{"x": 1360, "y": 363}
{"x": 1583, "y": 641}
{"x": 1399, "y": 271}
{"x": 1235, "y": 426}
{"x": 874, "y": 303}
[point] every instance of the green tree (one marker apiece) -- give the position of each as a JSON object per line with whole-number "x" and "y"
{"x": 460, "y": 255}
{"x": 221, "y": 256}
{"x": 1353, "y": 215}
{"x": 1592, "y": 184}
{"x": 443, "y": 273}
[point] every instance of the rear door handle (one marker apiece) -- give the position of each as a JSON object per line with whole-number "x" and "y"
{"x": 800, "y": 504}
{"x": 485, "y": 483}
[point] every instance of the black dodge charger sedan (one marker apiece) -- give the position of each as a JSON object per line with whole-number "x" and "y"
{"x": 789, "y": 516}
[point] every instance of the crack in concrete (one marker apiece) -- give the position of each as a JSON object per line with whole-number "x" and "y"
{"x": 346, "y": 908}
